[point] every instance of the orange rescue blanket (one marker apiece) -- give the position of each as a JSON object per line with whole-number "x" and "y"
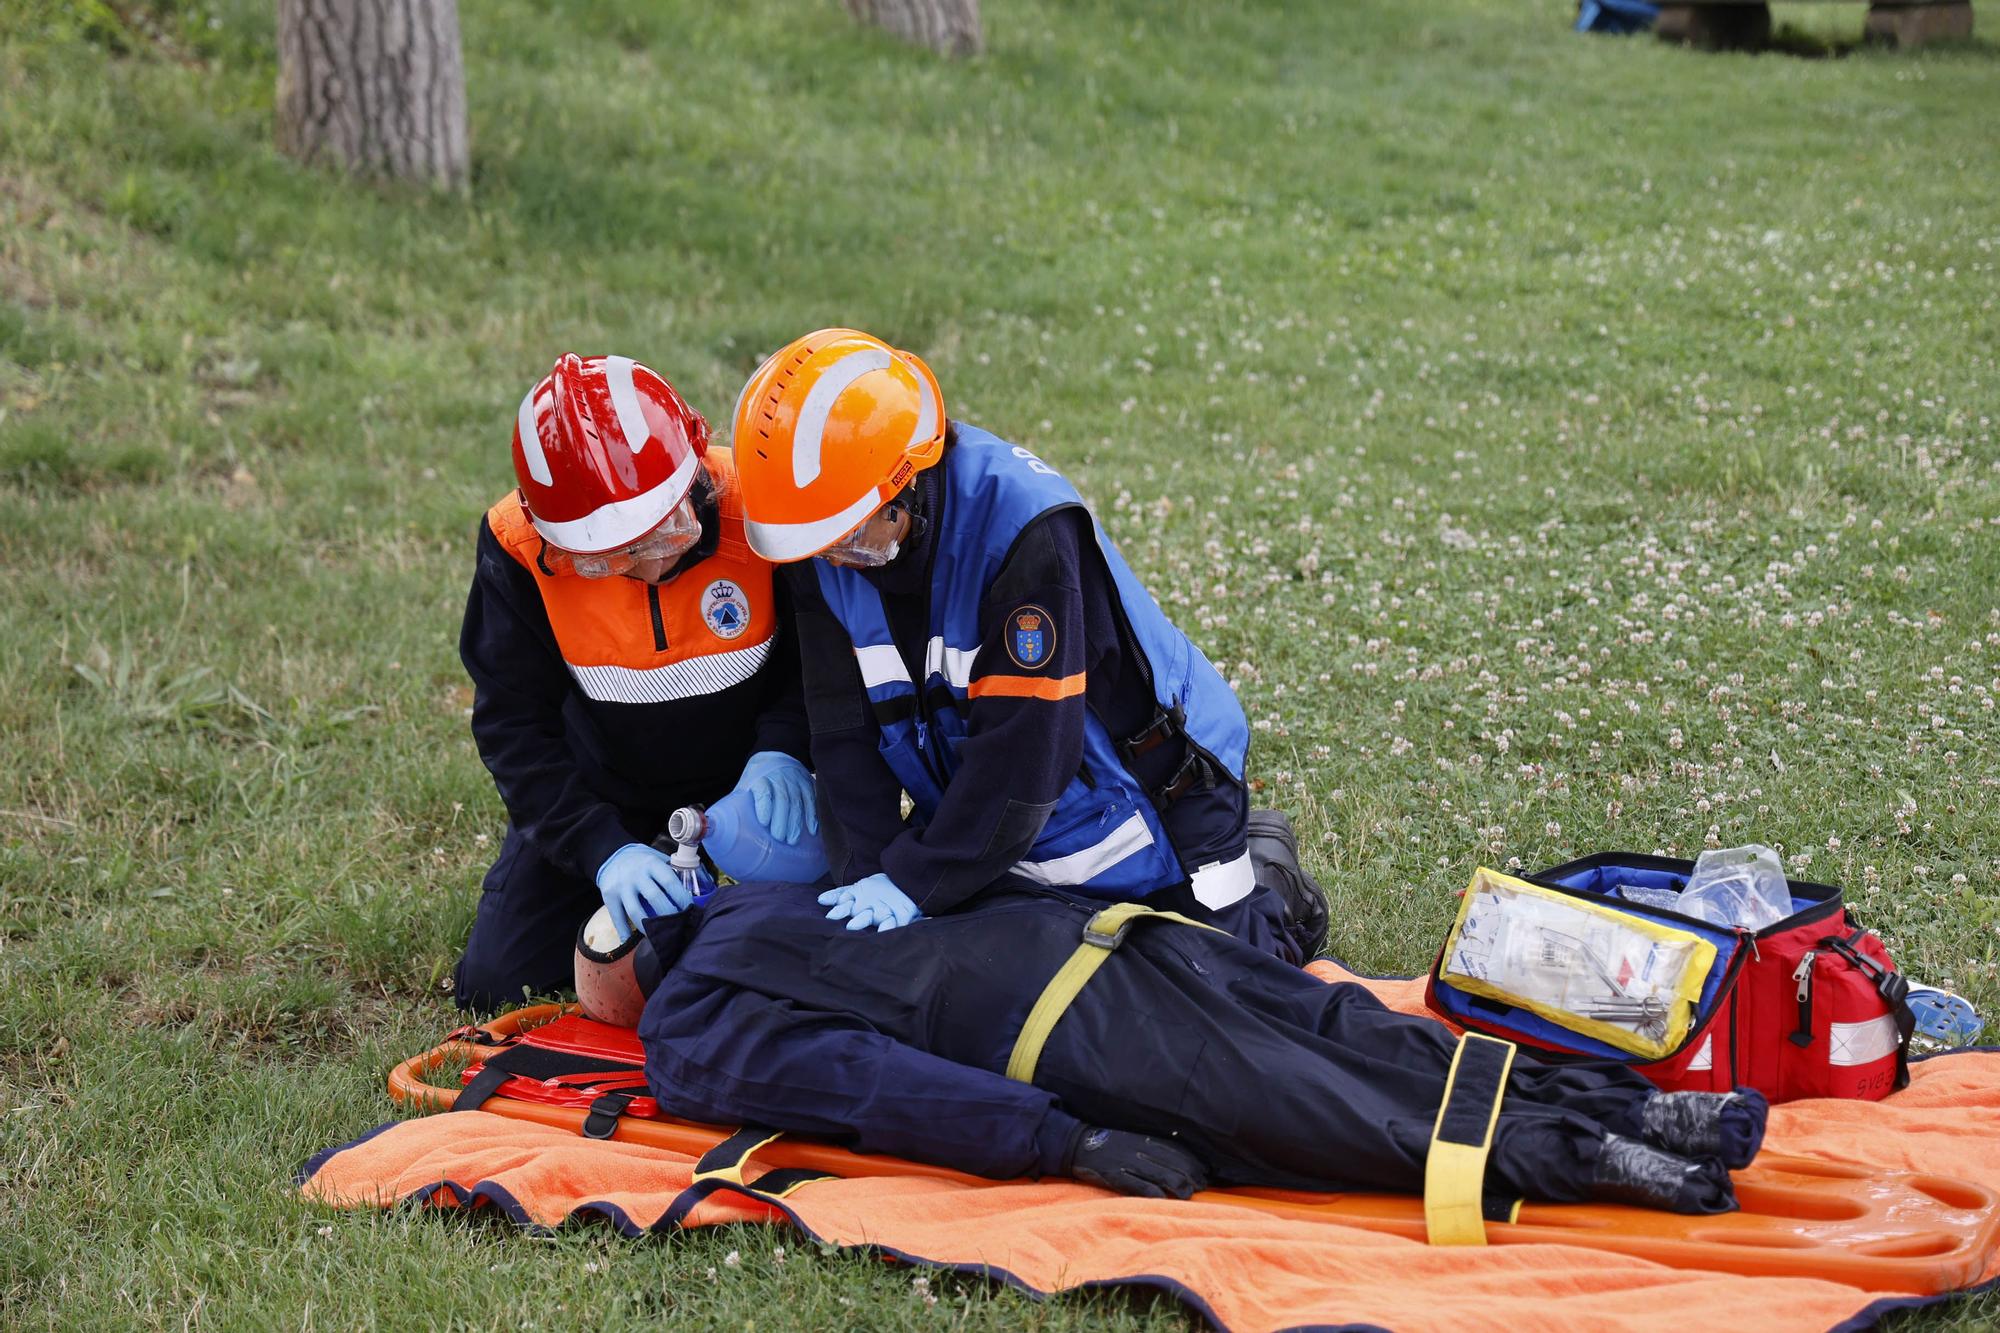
{"x": 1243, "y": 1270}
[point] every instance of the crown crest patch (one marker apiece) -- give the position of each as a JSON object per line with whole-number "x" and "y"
{"x": 1031, "y": 637}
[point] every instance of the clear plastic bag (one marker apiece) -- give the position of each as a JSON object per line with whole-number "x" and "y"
{"x": 1738, "y": 886}
{"x": 1669, "y": 899}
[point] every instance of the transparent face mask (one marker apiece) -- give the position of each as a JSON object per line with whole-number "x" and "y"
{"x": 675, "y": 536}
{"x": 875, "y": 543}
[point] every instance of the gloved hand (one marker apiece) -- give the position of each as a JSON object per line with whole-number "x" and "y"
{"x": 638, "y": 881}
{"x": 1136, "y": 1164}
{"x": 781, "y": 794}
{"x": 875, "y": 901}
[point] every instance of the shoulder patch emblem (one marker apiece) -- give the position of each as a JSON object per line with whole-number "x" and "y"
{"x": 724, "y": 609}
{"x": 1031, "y": 637}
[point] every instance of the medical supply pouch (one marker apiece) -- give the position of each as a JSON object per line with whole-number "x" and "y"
{"x": 1811, "y": 1006}
{"x": 1586, "y": 967}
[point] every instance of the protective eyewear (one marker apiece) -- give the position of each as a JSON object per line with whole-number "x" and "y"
{"x": 872, "y": 545}
{"x": 675, "y": 536}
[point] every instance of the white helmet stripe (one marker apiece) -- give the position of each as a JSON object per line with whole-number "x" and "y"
{"x": 782, "y": 542}
{"x": 832, "y": 383}
{"x": 619, "y": 523}
{"x": 927, "y": 414}
{"x": 531, "y": 442}
{"x": 625, "y": 401}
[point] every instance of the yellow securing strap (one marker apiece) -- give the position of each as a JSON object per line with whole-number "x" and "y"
{"x": 733, "y": 1154}
{"x": 791, "y": 1186}
{"x": 1105, "y": 933}
{"x": 1455, "y": 1169}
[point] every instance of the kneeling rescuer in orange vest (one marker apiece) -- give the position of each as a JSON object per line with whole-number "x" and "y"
{"x": 625, "y": 651}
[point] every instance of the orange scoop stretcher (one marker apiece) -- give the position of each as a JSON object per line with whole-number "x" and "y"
{"x": 1879, "y": 1230}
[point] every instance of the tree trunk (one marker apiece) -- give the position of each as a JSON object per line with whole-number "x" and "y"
{"x": 948, "y": 27}
{"x": 375, "y": 86}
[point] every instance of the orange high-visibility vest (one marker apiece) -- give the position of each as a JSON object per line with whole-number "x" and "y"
{"x": 635, "y": 643}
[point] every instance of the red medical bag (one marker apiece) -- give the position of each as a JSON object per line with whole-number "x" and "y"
{"x": 1809, "y": 1007}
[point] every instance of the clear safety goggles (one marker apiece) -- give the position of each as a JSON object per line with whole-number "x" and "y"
{"x": 675, "y": 536}
{"x": 872, "y": 545}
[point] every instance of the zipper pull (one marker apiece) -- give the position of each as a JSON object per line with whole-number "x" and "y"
{"x": 920, "y": 733}
{"x": 1802, "y": 974}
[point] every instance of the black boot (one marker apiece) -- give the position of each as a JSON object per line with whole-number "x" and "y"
{"x": 1728, "y": 1125}
{"x": 1629, "y": 1171}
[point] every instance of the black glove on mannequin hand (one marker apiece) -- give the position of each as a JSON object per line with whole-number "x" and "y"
{"x": 1136, "y": 1164}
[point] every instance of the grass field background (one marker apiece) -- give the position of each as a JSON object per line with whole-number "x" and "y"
{"x": 1563, "y": 443}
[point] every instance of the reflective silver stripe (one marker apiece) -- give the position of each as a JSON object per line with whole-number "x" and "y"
{"x": 677, "y": 680}
{"x": 810, "y": 429}
{"x": 1080, "y": 867}
{"x": 625, "y": 402}
{"x": 881, "y": 664}
{"x": 531, "y": 442}
{"x": 928, "y": 406}
{"x": 1862, "y": 1043}
{"x": 954, "y": 664}
{"x": 617, "y": 523}
{"x": 1221, "y": 883}
{"x": 784, "y": 542}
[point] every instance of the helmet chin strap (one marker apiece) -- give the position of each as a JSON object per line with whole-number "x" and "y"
{"x": 912, "y": 502}
{"x": 708, "y": 512}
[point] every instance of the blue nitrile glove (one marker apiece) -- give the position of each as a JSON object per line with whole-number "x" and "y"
{"x": 638, "y": 881}
{"x": 875, "y": 901}
{"x": 781, "y": 794}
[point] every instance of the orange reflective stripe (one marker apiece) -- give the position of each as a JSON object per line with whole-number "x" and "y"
{"x": 1026, "y": 687}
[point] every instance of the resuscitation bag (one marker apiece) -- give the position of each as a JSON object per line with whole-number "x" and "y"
{"x": 1586, "y": 960}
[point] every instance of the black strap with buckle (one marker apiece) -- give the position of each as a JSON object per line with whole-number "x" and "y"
{"x": 1167, "y": 724}
{"x": 1194, "y": 773}
{"x": 602, "y": 1122}
{"x": 1892, "y": 986}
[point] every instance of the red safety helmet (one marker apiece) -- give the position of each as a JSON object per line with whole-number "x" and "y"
{"x": 604, "y": 449}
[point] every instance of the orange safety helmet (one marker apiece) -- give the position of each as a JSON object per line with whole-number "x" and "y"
{"x": 604, "y": 449}
{"x": 830, "y": 429}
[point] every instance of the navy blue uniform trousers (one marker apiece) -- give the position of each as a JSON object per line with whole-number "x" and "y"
{"x": 523, "y": 939}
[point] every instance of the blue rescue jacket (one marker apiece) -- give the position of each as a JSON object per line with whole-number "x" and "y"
{"x": 1105, "y": 837}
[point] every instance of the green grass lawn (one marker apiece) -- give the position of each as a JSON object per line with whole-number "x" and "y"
{"x": 1564, "y": 443}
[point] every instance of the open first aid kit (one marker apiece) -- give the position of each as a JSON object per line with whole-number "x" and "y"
{"x": 1593, "y": 959}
